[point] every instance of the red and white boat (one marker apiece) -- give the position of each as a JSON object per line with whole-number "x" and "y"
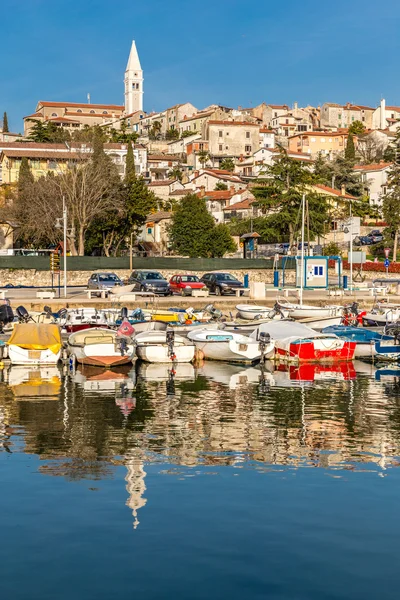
{"x": 295, "y": 342}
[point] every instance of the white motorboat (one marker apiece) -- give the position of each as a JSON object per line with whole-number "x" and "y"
{"x": 78, "y": 319}
{"x": 303, "y": 311}
{"x": 295, "y": 342}
{"x": 249, "y": 312}
{"x": 100, "y": 348}
{"x": 35, "y": 344}
{"x": 382, "y": 314}
{"x": 164, "y": 347}
{"x": 318, "y": 323}
{"x": 229, "y": 346}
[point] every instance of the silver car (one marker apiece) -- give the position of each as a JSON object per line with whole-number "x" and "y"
{"x": 103, "y": 281}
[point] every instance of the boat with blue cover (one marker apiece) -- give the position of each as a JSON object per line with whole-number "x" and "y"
{"x": 369, "y": 344}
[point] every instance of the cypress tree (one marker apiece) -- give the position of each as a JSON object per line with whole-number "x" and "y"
{"x": 130, "y": 173}
{"x": 350, "y": 152}
{"x": 5, "y": 123}
{"x": 25, "y": 177}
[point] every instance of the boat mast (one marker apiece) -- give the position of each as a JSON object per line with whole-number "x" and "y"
{"x": 302, "y": 249}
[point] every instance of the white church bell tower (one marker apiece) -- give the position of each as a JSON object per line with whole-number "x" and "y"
{"x": 133, "y": 83}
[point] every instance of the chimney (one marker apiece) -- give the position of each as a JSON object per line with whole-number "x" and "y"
{"x": 343, "y": 190}
{"x": 202, "y": 191}
{"x": 232, "y": 189}
{"x": 196, "y": 173}
{"x": 382, "y": 123}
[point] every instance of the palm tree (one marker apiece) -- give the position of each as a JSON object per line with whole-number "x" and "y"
{"x": 203, "y": 156}
{"x": 176, "y": 173}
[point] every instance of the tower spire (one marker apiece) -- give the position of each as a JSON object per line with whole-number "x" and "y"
{"x": 133, "y": 82}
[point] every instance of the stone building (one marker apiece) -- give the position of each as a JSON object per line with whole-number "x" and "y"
{"x": 338, "y": 116}
{"x": 231, "y": 139}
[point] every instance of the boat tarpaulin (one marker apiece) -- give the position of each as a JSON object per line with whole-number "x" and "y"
{"x": 36, "y": 336}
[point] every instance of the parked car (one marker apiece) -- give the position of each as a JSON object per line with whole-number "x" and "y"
{"x": 221, "y": 283}
{"x": 150, "y": 281}
{"x": 103, "y": 281}
{"x": 376, "y": 236}
{"x": 184, "y": 284}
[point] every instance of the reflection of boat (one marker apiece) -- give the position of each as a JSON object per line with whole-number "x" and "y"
{"x": 298, "y": 343}
{"x": 227, "y": 346}
{"x": 34, "y": 383}
{"x": 35, "y": 343}
{"x": 163, "y": 347}
{"x": 230, "y": 375}
{"x": 162, "y": 371}
{"x": 103, "y": 380}
{"x": 322, "y": 372}
{"x": 100, "y": 347}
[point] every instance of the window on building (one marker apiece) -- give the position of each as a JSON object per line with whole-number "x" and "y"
{"x": 318, "y": 271}
{"x": 226, "y": 147}
{"x": 323, "y": 140}
{"x": 313, "y": 139}
{"x": 392, "y": 116}
{"x": 287, "y": 121}
{"x": 105, "y": 112}
{"x": 339, "y": 116}
{"x": 384, "y": 189}
{"x": 92, "y": 112}
{"x": 52, "y": 164}
{"x": 352, "y": 118}
{"x": 79, "y": 110}
{"x": 54, "y": 115}
{"x": 301, "y": 127}
{"x": 275, "y": 114}
{"x": 247, "y": 148}
{"x": 221, "y": 147}
{"x": 219, "y": 133}
{"x": 247, "y": 134}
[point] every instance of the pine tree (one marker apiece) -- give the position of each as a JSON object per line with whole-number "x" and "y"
{"x": 194, "y": 232}
{"x": 350, "y": 152}
{"x": 130, "y": 173}
{"x": 5, "y": 123}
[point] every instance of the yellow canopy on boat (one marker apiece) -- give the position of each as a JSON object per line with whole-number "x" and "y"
{"x": 36, "y": 336}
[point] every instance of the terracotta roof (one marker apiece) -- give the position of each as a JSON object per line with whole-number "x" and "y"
{"x": 41, "y": 154}
{"x": 266, "y": 130}
{"x": 161, "y": 215}
{"x": 217, "y": 194}
{"x": 35, "y": 115}
{"x": 334, "y": 192}
{"x": 239, "y": 123}
{"x": 34, "y": 145}
{"x": 280, "y": 106}
{"x": 80, "y": 105}
{"x": 374, "y": 167}
{"x": 180, "y": 192}
{"x": 164, "y": 182}
{"x": 239, "y": 205}
{"x": 197, "y": 116}
{"x": 63, "y": 120}
{"x": 395, "y": 108}
{"x": 320, "y": 133}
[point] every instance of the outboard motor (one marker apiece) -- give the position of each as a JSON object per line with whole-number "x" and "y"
{"x": 23, "y": 315}
{"x": 352, "y": 316}
{"x": 6, "y": 315}
{"x": 170, "y": 339}
{"x": 264, "y": 339}
{"x": 124, "y": 313}
{"x": 215, "y": 313}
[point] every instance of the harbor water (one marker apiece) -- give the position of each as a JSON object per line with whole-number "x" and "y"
{"x": 216, "y": 482}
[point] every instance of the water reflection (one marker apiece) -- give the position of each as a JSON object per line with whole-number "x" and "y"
{"x": 342, "y": 418}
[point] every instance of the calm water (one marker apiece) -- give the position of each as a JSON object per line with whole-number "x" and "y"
{"x": 220, "y": 482}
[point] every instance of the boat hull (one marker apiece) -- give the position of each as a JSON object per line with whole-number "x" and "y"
{"x": 158, "y": 353}
{"x": 21, "y": 356}
{"x": 302, "y": 311}
{"x": 317, "y": 350}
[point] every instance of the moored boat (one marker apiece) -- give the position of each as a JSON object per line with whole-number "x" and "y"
{"x": 303, "y": 311}
{"x": 365, "y": 339}
{"x": 164, "y": 347}
{"x": 35, "y": 344}
{"x": 250, "y": 312}
{"x": 230, "y": 347}
{"x": 295, "y": 342}
{"x": 100, "y": 348}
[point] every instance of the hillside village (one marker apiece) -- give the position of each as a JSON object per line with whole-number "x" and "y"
{"x": 218, "y": 153}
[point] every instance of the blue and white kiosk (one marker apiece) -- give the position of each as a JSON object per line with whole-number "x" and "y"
{"x": 316, "y": 271}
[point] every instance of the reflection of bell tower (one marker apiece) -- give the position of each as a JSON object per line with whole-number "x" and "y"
{"x": 135, "y": 485}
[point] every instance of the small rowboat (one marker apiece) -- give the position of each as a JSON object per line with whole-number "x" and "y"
{"x": 249, "y": 312}
{"x": 303, "y": 311}
{"x": 229, "y": 346}
{"x": 164, "y": 347}
{"x": 100, "y": 348}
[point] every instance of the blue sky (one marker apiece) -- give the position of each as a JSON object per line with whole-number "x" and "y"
{"x": 229, "y": 52}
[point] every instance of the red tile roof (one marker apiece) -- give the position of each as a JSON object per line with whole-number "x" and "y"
{"x": 334, "y": 192}
{"x": 81, "y": 105}
{"x": 63, "y": 120}
{"x": 373, "y": 167}
{"x": 87, "y": 114}
{"x": 217, "y": 194}
{"x": 243, "y": 205}
{"x": 395, "y": 108}
{"x": 164, "y": 182}
{"x": 49, "y": 154}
